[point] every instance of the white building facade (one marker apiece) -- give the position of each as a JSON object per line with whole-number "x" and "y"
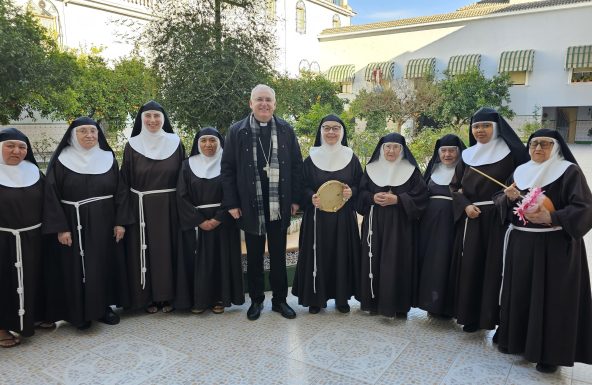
{"x": 546, "y": 46}
{"x": 298, "y": 25}
{"x": 112, "y": 25}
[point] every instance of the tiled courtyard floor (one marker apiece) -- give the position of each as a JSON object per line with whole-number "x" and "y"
{"x": 327, "y": 348}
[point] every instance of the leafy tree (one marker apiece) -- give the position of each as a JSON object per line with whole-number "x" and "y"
{"x": 296, "y": 96}
{"x": 32, "y": 68}
{"x": 398, "y": 103}
{"x": 463, "y": 94}
{"x": 210, "y": 54}
{"x": 109, "y": 95}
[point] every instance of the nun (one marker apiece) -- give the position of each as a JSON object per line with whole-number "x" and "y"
{"x": 392, "y": 198}
{"x": 209, "y": 269}
{"x": 436, "y": 228}
{"x": 150, "y": 168}
{"x": 21, "y": 209}
{"x": 86, "y": 209}
{"x": 476, "y": 269}
{"x": 328, "y": 262}
{"x": 546, "y": 305}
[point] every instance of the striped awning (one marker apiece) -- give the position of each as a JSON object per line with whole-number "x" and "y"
{"x": 341, "y": 73}
{"x": 419, "y": 68}
{"x": 516, "y": 61}
{"x": 384, "y": 68}
{"x": 579, "y": 57}
{"x": 461, "y": 63}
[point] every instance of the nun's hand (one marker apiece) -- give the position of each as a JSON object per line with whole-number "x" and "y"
{"x": 295, "y": 207}
{"x": 236, "y": 213}
{"x": 118, "y": 233}
{"x": 512, "y": 192}
{"x": 214, "y": 223}
{"x": 541, "y": 217}
{"x": 472, "y": 211}
{"x": 379, "y": 198}
{"x": 316, "y": 201}
{"x": 390, "y": 199}
{"x": 347, "y": 192}
{"x": 65, "y": 238}
{"x": 206, "y": 225}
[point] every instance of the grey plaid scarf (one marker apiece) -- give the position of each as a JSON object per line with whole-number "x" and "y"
{"x": 273, "y": 175}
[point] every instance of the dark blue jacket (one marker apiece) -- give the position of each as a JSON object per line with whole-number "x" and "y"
{"x": 238, "y": 173}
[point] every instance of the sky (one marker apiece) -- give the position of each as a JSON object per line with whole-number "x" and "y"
{"x": 370, "y": 11}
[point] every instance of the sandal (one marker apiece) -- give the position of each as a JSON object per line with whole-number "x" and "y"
{"x": 166, "y": 307}
{"x": 218, "y": 309}
{"x": 10, "y": 341}
{"x": 45, "y": 325}
{"x": 152, "y": 308}
{"x": 197, "y": 311}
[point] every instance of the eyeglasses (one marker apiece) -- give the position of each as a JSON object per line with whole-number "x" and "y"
{"x": 545, "y": 144}
{"x": 481, "y": 126}
{"x": 392, "y": 147}
{"x": 331, "y": 128}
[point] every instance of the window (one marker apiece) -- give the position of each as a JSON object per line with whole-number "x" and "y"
{"x": 337, "y": 2}
{"x": 48, "y": 16}
{"x": 300, "y": 17}
{"x": 346, "y": 88}
{"x": 271, "y": 12}
{"x": 518, "y": 78}
{"x": 336, "y": 21}
{"x": 581, "y": 75}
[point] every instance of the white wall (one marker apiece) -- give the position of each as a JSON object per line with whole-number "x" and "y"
{"x": 295, "y": 46}
{"x": 548, "y": 33}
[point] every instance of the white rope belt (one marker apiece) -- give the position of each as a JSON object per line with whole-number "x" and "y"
{"x": 143, "y": 245}
{"x": 481, "y": 203}
{"x": 204, "y": 207}
{"x": 511, "y": 227}
{"x": 314, "y": 250}
{"x": 79, "y": 226}
{"x": 369, "y": 241}
{"x": 441, "y": 197}
{"x": 19, "y": 266}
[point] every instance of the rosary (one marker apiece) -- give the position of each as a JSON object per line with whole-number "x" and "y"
{"x": 267, "y": 168}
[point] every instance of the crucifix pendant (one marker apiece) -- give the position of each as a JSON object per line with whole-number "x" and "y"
{"x": 266, "y": 169}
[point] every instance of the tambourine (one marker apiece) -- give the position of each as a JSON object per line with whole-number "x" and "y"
{"x": 331, "y": 195}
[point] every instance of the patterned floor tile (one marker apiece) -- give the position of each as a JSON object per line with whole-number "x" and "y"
{"x": 524, "y": 373}
{"x": 360, "y": 354}
{"x": 126, "y": 360}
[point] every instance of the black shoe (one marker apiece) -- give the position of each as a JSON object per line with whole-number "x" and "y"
{"x": 314, "y": 309}
{"x": 401, "y": 315}
{"x": 546, "y": 368}
{"x": 254, "y": 310}
{"x": 83, "y": 326}
{"x": 502, "y": 349}
{"x": 110, "y": 317}
{"x": 495, "y": 338}
{"x": 285, "y": 310}
{"x": 470, "y": 328}
{"x": 343, "y": 308}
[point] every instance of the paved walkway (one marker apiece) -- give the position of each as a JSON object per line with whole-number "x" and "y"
{"x": 328, "y": 348}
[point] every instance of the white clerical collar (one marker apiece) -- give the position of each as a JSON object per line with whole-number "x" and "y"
{"x": 386, "y": 173}
{"x": 487, "y": 153}
{"x": 207, "y": 167}
{"x": 80, "y": 160}
{"x": 157, "y": 145}
{"x": 442, "y": 174}
{"x": 532, "y": 174}
{"x": 24, "y": 174}
{"x": 331, "y": 157}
